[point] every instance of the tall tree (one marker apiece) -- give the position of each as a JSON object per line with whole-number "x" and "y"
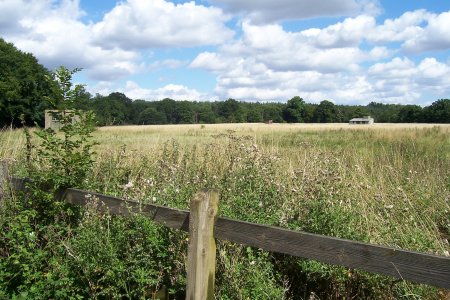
{"x": 438, "y": 111}
{"x": 24, "y": 83}
{"x": 273, "y": 111}
{"x": 326, "y": 112}
{"x": 150, "y": 116}
{"x": 231, "y": 111}
{"x": 114, "y": 109}
{"x": 410, "y": 114}
{"x": 294, "y": 110}
{"x": 204, "y": 113}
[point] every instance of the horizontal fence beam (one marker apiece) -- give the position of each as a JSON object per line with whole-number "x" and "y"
{"x": 408, "y": 265}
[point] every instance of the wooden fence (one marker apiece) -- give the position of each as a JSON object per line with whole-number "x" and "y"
{"x": 405, "y": 265}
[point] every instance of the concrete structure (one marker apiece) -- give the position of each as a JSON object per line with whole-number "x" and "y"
{"x": 363, "y": 120}
{"x": 53, "y": 118}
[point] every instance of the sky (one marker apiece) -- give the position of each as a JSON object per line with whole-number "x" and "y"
{"x": 346, "y": 51}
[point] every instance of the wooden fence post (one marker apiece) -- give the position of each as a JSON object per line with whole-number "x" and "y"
{"x": 201, "y": 266}
{"x": 4, "y": 178}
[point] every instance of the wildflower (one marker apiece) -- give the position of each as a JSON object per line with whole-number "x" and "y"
{"x": 128, "y": 185}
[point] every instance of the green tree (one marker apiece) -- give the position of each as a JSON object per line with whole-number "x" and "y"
{"x": 294, "y": 110}
{"x": 383, "y": 113}
{"x": 273, "y": 111}
{"x": 204, "y": 113}
{"x": 326, "y": 112}
{"x": 114, "y": 109}
{"x": 137, "y": 107}
{"x": 410, "y": 114}
{"x": 168, "y": 107}
{"x": 151, "y": 116}
{"x": 184, "y": 112}
{"x": 354, "y": 111}
{"x": 231, "y": 111}
{"x": 23, "y": 85}
{"x": 253, "y": 112}
{"x": 438, "y": 111}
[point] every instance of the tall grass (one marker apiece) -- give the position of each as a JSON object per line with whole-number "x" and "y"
{"x": 383, "y": 184}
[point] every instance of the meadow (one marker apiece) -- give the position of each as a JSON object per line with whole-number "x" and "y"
{"x": 386, "y": 184}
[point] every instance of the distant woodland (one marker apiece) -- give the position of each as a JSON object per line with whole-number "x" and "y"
{"x": 27, "y": 89}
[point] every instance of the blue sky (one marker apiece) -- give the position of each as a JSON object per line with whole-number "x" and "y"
{"x": 347, "y": 51}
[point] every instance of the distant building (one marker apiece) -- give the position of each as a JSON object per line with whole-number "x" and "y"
{"x": 53, "y": 117}
{"x": 363, "y": 120}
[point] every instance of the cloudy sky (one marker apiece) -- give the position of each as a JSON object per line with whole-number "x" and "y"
{"x": 347, "y": 51}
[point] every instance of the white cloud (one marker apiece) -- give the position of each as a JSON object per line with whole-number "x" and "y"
{"x": 348, "y": 33}
{"x": 173, "y": 91}
{"x": 101, "y": 87}
{"x": 278, "y": 50}
{"x": 210, "y": 61}
{"x": 402, "y": 80}
{"x": 270, "y": 63}
{"x": 418, "y": 31}
{"x": 159, "y": 23}
{"x": 435, "y": 36}
{"x": 268, "y": 11}
{"x": 53, "y": 32}
{"x": 397, "y": 81}
{"x": 349, "y": 61}
{"x": 400, "y": 29}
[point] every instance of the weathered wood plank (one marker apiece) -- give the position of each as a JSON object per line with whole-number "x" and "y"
{"x": 169, "y": 217}
{"x": 201, "y": 266}
{"x": 408, "y": 265}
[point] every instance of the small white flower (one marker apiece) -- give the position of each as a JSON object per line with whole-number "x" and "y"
{"x": 128, "y": 185}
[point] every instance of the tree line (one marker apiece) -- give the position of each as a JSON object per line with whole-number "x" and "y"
{"x": 118, "y": 109}
{"x": 27, "y": 89}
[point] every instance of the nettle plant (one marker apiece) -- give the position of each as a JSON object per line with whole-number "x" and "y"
{"x": 64, "y": 157}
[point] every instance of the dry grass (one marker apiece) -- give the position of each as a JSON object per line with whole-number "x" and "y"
{"x": 393, "y": 178}
{"x": 388, "y": 174}
{"x": 385, "y": 183}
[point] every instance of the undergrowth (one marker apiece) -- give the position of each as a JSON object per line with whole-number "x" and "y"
{"x": 370, "y": 187}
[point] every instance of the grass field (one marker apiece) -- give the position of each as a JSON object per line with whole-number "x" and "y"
{"x": 393, "y": 178}
{"x": 386, "y": 184}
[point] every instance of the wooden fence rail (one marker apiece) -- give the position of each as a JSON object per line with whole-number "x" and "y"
{"x": 407, "y": 265}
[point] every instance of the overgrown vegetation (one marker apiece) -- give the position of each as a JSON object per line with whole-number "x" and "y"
{"x": 383, "y": 186}
{"x": 372, "y": 185}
